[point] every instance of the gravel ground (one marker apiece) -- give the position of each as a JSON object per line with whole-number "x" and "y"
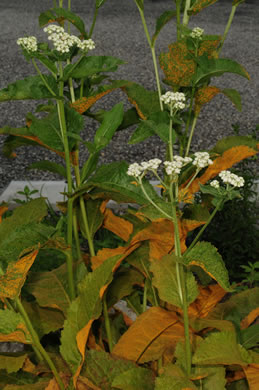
{"x": 119, "y": 32}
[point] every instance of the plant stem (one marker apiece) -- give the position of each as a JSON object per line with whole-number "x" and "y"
{"x": 152, "y": 47}
{"x": 78, "y": 250}
{"x": 212, "y": 215}
{"x": 37, "y": 343}
{"x": 170, "y": 144}
{"x": 107, "y": 323}
{"x": 191, "y": 135}
{"x": 149, "y": 277}
{"x": 145, "y": 297}
{"x": 63, "y": 128}
{"x": 153, "y": 203}
{"x": 186, "y": 17}
{"x": 93, "y": 23}
{"x": 230, "y": 19}
{"x": 43, "y": 78}
{"x": 178, "y": 18}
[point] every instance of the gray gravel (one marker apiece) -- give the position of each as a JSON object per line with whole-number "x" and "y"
{"x": 119, "y": 32}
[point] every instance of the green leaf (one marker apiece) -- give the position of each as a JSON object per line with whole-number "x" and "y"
{"x": 48, "y": 128}
{"x": 142, "y": 132}
{"x": 165, "y": 280}
{"x": 173, "y": 378}
{"x": 31, "y": 87}
{"x": 135, "y": 378}
{"x": 200, "y": 5}
{"x": 99, "y": 3}
{"x": 216, "y": 67}
{"x": 83, "y": 311}
{"x": 57, "y": 297}
{"x": 232, "y": 141}
{"x": 102, "y": 369}
{"x": 49, "y": 166}
{"x": 50, "y": 65}
{"x": 112, "y": 119}
{"x": 221, "y": 348}
{"x": 140, "y": 4}
{"x": 92, "y": 65}
{"x": 21, "y": 381}
{"x": 215, "y": 380}
{"x": 12, "y": 363}
{"x": 112, "y": 182}
{"x": 9, "y": 320}
{"x": 61, "y": 14}
{"x": 250, "y": 336}
{"x": 234, "y": 96}
{"x": 206, "y": 256}
{"x": 94, "y": 216}
{"x": 161, "y": 22}
{"x": 238, "y": 385}
{"x": 89, "y": 166}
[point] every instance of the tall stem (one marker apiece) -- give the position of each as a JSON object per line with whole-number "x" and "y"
{"x": 191, "y": 135}
{"x": 93, "y": 23}
{"x": 43, "y": 78}
{"x": 230, "y": 19}
{"x": 78, "y": 250}
{"x": 186, "y": 17}
{"x": 152, "y": 47}
{"x": 178, "y": 18}
{"x": 107, "y": 323}
{"x": 63, "y": 128}
{"x": 170, "y": 145}
{"x": 37, "y": 344}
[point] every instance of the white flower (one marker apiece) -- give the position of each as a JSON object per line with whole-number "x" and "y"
{"x": 214, "y": 183}
{"x": 197, "y": 33}
{"x": 135, "y": 170}
{"x": 174, "y": 167}
{"x": 151, "y": 164}
{"x": 177, "y": 99}
{"x": 202, "y": 160}
{"x": 28, "y": 43}
{"x": 62, "y": 41}
{"x": 53, "y": 28}
{"x": 87, "y": 44}
{"x": 230, "y": 178}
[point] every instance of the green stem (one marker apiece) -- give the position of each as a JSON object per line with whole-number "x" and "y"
{"x": 43, "y": 78}
{"x": 186, "y": 17}
{"x": 188, "y": 119}
{"x": 76, "y": 236}
{"x": 150, "y": 279}
{"x": 60, "y": 3}
{"x": 37, "y": 343}
{"x": 82, "y": 88}
{"x": 230, "y": 19}
{"x": 63, "y": 127}
{"x": 153, "y": 203}
{"x": 178, "y": 18}
{"x": 152, "y": 47}
{"x": 145, "y": 297}
{"x": 212, "y": 215}
{"x": 191, "y": 135}
{"x": 170, "y": 144}
{"x": 107, "y": 323}
{"x": 93, "y": 23}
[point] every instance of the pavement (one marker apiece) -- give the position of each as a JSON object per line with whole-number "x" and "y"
{"x": 119, "y": 33}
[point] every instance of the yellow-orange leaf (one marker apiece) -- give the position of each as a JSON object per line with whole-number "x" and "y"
{"x": 53, "y": 383}
{"x": 204, "y": 95}
{"x": 143, "y": 342}
{"x": 81, "y": 105}
{"x": 250, "y": 318}
{"x": 85, "y": 384}
{"x": 208, "y": 298}
{"x": 252, "y": 375}
{"x": 226, "y": 161}
{"x": 20, "y": 335}
{"x": 117, "y": 225}
{"x": 3, "y": 209}
{"x": 12, "y": 281}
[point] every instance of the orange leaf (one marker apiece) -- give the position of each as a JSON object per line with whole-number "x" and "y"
{"x": 81, "y": 105}
{"x": 142, "y": 342}
{"x": 250, "y": 318}
{"x": 226, "y": 161}
{"x": 12, "y": 281}
{"x": 203, "y": 96}
{"x": 53, "y": 383}
{"x": 3, "y": 209}
{"x": 208, "y": 298}
{"x": 20, "y": 335}
{"x": 252, "y": 375}
{"x": 117, "y": 225}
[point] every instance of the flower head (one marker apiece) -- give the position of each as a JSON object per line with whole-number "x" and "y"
{"x": 174, "y": 167}
{"x": 197, "y": 33}
{"x": 202, "y": 160}
{"x": 214, "y": 183}
{"x": 177, "y": 99}
{"x": 62, "y": 41}
{"x": 135, "y": 170}
{"x": 230, "y": 178}
{"x": 87, "y": 44}
{"x": 28, "y": 43}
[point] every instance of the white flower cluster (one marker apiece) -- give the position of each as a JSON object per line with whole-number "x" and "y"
{"x": 230, "y": 178}
{"x": 87, "y": 44}
{"x": 136, "y": 169}
{"x": 202, "y": 159}
{"x": 63, "y": 41}
{"x": 214, "y": 183}
{"x": 177, "y": 99}
{"x": 28, "y": 43}
{"x": 197, "y": 33}
{"x": 174, "y": 167}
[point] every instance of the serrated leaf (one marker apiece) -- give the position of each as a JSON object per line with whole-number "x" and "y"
{"x": 135, "y": 378}
{"x": 165, "y": 280}
{"x": 31, "y": 87}
{"x": 161, "y": 22}
{"x": 59, "y": 15}
{"x": 215, "y": 380}
{"x": 11, "y": 363}
{"x": 206, "y": 256}
{"x": 111, "y": 122}
{"x": 221, "y": 348}
{"x": 142, "y": 342}
{"x": 49, "y": 166}
{"x": 57, "y": 297}
{"x": 82, "y": 312}
{"x": 102, "y": 368}
{"x": 173, "y": 378}
{"x": 12, "y": 327}
{"x": 208, "y": 298}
